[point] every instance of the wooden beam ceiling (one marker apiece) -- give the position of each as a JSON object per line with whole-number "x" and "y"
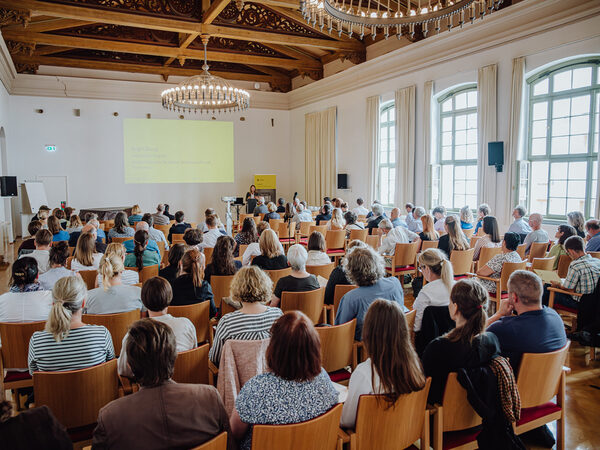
{"x": 213, "y": 11}
{"x": 40, "y": 26}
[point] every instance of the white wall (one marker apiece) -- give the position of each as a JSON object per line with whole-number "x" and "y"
{"x": 4, "y": 130}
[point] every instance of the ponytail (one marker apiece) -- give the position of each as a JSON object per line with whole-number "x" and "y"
{"x": 141, "y": 241}
{"x": 192, "y": 263}
{"x": 447, "y": 274}
{"x": 68, "y": 294}
{"x": 438, "y": 263}
{"x": 111, "y": 265}
{"x": 470, "y": 298}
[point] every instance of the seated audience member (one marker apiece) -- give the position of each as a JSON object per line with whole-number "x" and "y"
{"x": 114, "y": 296}
{"x": 43, "y": 218}
{"x": 519, "y": 225}
{"x": 344, "y": 207}
{"x": 247, "y": 236}
{"x": 271, "y": 255}
{"x": 272, "y": 214}
{"x": 437, "y": 270}
{"x": 302, "y": 215}
{"x": 85, "y": 256}
{"x": 43, "y": 239}
{"x": 428, "y": 233}
{"x": 493, "y": 268}
{"x": 32, "y": 228}
{"x": 409, "y": 208}
{"x": 170, "y": 272}
{"x": 466, "y": 218}
{"x": 121, "y": 228}
{"x": 324, "y": 215}
{"x": 222, "y": 259}
{"x": 289, "y": 212}
{"x": 338, "y": 276}
{"x": 171, "y": 415}
{"x": 59, "y": 253}
{"x": 534, "y": 328}
{"x": 213, "y": 233}
{"x": 364, "y": 268}
{"x": 299, "y": 280}
{"x": 483, "y": 211}
{"x": 207, "y": 213}
{"x": 582, "y": 276}
{"x": 454, "y": 239}
{"x": 100, "y": 234}
{"x": 260, "y": 208}
{"x": 168, "y": 214}
{"x": 537, "y": 234}
{"x": 179, "y": 226}
{"x": 25, "y": 276}
{"x": 141, "y": 256}
{"x": 128, "y": 277}
{"x": 491, "y": 239}
{"x": 592, "y": 227}
{"x": 136, "y": 215}
{"x": 317, "y": 248}
{"x": 193, "y": 238}
{"x": 41, "y": 209}
{"x": 67, "y": 343}
{"x": 253, "y": 249}
{"x": 156, "y": 296}
{"x": 392, "y": 368}
{"x": 58, "y": 234}
{"x": 190, "y": 287}
{"x": 413, "y": 219}
{"x": 159, "y": 217}
{"x": 60, "y": 215}
{"x": 377, "y": 217}
{"x": 439, "y": 214}
{"x": 396, "y": 220}
{"x": 467, "y": 345}
{"x": 75, "y": 224}
{"x": 360, "y": 210}
{"x": 252, "y": 288}
{"x": 563, "y": 233}
{"x": 152, "y": 245}
{"x": 337, "y": 221}
{"x": 577, "y": 221}
{"x": 154, "y": 234}
{"x": 352, "y": 223}
{"x": 280, "y": 205}
{"x": 392, "y": 236}
{"x": 68, "y": 212}
{"x": 295, "y": 389}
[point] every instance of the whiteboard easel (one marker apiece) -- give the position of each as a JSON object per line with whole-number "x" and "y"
{"x": 34, "y": 196}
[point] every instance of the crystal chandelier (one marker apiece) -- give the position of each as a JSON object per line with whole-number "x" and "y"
{"x": 205, "y": 93}
{"x": 393, "y": 16}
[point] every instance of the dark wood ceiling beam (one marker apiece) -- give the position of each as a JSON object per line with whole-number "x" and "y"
{"x": 50, "y": 49}
{"x": 291, "y": 4}
{"x": 53, "y": 24}
{"x": 214, "y": 10}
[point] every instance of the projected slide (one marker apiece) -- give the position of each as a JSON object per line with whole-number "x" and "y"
{"x": 178, "y": 151}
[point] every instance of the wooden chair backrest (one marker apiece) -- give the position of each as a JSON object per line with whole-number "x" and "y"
{"x": 164, "y": 228}
{"x": 361, "y": 217}
{"x": 15, "y": 343}
{"x": 320, "y": 228}
{"x": 535, "y": 389}
{"x": 488, "y": 253}
{"x": 191, "y": 366}
{"x": 429, "y": 244}
{"x": 595, "y": 254}
{"x": 473, "y": 241}
{"x": 217, "y": 443}
{"x": 382, "y": 427}
{"x": 208, "y": 252}
{"x": 335, "y": 239}
{"x": 563, "y": 265}
{"x": 339, "y": 291}
{"x": 147, "y": 272}
{"x": 360, "y": 235}
{"x": 199, "y": 315}
{"x": 309, "y": 302}
{"x": 257, "y": 219}
{"x": 324, "y": 270}
{"x": 89, "y": 277}
{"x": 469, "y": 232}
{"x": 542, "y": 263}
{"x": 177, "y": 238}
{"x": 243, "y": 248}
{"x": 462, "y": 261}
{"x": 274, "y": 223}
{"x": 305, "y": 228}
{"x": 221, "y": 286}
{"x": 320, "y": 433}
{"x": 521, "y": 250}
{"x": 161, "y": 248}
{"x": 76, "y": 396}
{"x": 120, "y": 240}
{"x": 277, "y": 274}
{"x": 405, "y": 254}
{"x": 507, "y": 269}
{"x": 410, "y": 319}
{"x": 537, "y": 250}
{"x": 336, "y": 345}
{"x": 242, "y": 218}
{"x": 285, "y": 230}
{"x": 458, "y": 414}
{"x": 480, "y": 232}
{"x": 117, "y": 324}
{"x": 374, "y": 240}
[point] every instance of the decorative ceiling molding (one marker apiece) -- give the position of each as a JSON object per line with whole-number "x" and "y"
{"x": 185, "y": 9}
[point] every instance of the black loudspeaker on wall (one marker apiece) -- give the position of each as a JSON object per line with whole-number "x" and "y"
{"x": 496, "y": 155}
{"x": 342, "y": 181}
{"x": 8, "y": 186}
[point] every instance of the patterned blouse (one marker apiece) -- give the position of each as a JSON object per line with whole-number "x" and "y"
{"x": 267, "y": 399}
{"x": 31, "y": 287}
{"x": 496, "y": 264}
{"x": 242, "y": 239}
{"x": 129, "y": 232}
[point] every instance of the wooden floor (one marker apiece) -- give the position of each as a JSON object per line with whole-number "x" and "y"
{"x": 583, "y": 389}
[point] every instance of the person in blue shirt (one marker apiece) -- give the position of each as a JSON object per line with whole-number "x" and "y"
{"x": 466, "y": 218}
{"x": 152, "y": 245}
{"x": 519, "y": 226}
{"x": 365, "y": 268}
{"x": 136, "y": 215}
{"x": 396, "y": 220}
{"x": 592, "y": 228}
{"x": 58, "y": 234}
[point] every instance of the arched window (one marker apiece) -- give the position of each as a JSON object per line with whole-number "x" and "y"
{"x": 559, "y": 174}
{"x": 386, "y": 164}
{"x": 454, "y": 170}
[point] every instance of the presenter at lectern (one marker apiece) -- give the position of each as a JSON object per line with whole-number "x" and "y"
{"x": 251, "y": 199}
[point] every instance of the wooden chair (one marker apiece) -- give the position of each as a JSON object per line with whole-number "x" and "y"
{"x": 542, "y": 263}
{"x": 161, "y": 250}
{"x": 320, "y": 433}
{"x": 563, "y": 265}
{"x": 338, "y": 350}
{"x": 216, "y": 443}
{"x": 473, "y": 241}
{"x": 193, "y": 224}
{"x": 537, "y": 392}
{"x": 208, "y": 252}
{"x": 309, "y": 302}
{"x": 221, "y": 286}
{"x": 164, "y": 228}
{"x": 521, "y": 250}
{"x": 383, "y": 428}
{"x": 410, "y": 321}
{"x": 177, "y": 238}
{"x": 428, "y": 244}
{"x": 501, "y": 283}
{"x": 339, "y": 291}
{"x": 595, "y": 254}
{"x": 305, "y": 228}
{"x": 198, "y": 313}
{"x": 404, "y": 261}
{"x": 335, "y": 243}
{"x": 257, "y": 219}
{"x": 191, "y": 366}
{"x": 324, "y": 270}
{"x": 274, "y": 223}
{"x": 286, "y": 233}
{"x": 147, "y": 272}
{"x": 120, "y": 240}
{"x": 243, "y": 248}
{"x": 360, "y": 235}
{"x": 89, "y": 277}
{"x": 241, "y": 220}
{"x": 117, "y": 324}
{"x": 320, "y": 228}
{"x": 277, "y": 274}
{"x": 462, "y": 261}
{"x": 569, "y": 315}
{"x": 75, "y": 397}
{"x": 469, "y": 232}
{"x": 361, "y": 218}
{"x": 373, "y": 240}
{"x": 537, "y": 250}
{"x": 486, "y": 254}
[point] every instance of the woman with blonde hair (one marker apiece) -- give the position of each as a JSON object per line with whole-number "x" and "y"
{"x": 67, "y": 343}
{"x": 428, "y": 233}
{"x": 128, "y": 277}
{"x": 454, "y": 239}
{"x": 190, "y": 287}
{"x": 466, "y": 218}
{"x": 75, "y": 224}
{"x": 85, "y": 256}
{"x": 272, "y": 214}
{"x": 136, "y": 215}
{"x": 271, "y": 257}
{"x": 437, "y": 270}
{"x": 337, "y": 221}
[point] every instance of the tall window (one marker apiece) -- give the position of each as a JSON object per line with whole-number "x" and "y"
{"x": 454, "y": 172}
{"x": 560, "y": 173}
{"x": 387, "y": 155}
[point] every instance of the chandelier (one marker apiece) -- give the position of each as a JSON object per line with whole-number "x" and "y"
{"x": 393, "y": 16}
{"x": 205, "y": 93}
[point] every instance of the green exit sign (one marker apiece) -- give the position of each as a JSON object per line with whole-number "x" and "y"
{"x": 50, "y": 148}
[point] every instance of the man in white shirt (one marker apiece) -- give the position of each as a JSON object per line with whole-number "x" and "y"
{"x": 153, "y": 233}
{"x": 393, "y": 236}
{"x": 159, "y": 216}
{"x": 213, "y": 233}
{"x": 413, "y": 219}
{"x": 536, "y": 234}
{"x": 43, "y": 239}
{"x": 360, "y": 210}
{"x": 519, "y": 226}
{"x": 302, "y": 215}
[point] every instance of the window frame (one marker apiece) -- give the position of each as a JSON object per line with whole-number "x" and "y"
{"x": 391, "y": 127}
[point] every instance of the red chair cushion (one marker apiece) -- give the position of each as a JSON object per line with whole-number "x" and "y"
{"x": 336, "y": 251}
{"x": 339, "y": 375}
{"x": 453, "y": 439}
{"x": 304, "y": 241}
{"x": 503, "y": 295}
{"x": 460, "y": 277}
{"x": 287, "y": 240}
{"x": 402, "y": 268}
{"x": 564, "y": 308}
{"x": 13, "y": 375}
{"x": 536, "y": 412}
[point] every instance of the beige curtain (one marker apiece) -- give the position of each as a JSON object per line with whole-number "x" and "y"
{"x": 320, "y": 155}
{"x": 427, "y": 98}
{"x": 373, "y": 105}
{"x": 512, "y": 153}
{"x": 486, "y": 114}
{"x": 405, "y": 142}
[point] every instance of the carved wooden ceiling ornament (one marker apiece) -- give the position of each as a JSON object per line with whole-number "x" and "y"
{"x": 13, "y": 16}
{"x": 191, "y": 9}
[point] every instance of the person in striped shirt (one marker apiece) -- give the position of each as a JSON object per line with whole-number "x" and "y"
{"x": 67, "y": 343}
{"x": 252, "y": 287}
